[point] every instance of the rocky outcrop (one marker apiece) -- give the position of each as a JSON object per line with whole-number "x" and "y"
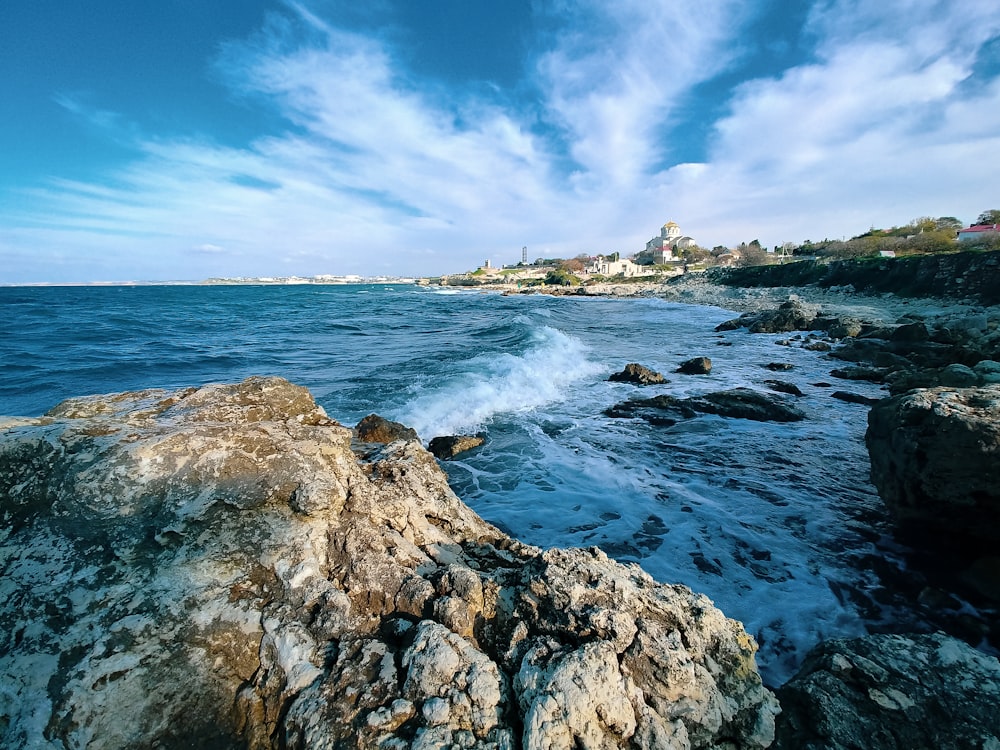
{"x": 964, "y": 275}
{"x": 216, "y": 568}
{"x": 892, "y": 692}
{"x": 696, "y": 366}
{"x": 638, "y": 374}
{"x": 739, "y": 403}
{"x": 376, "y": 429}
{"x": 449, "y": 446}
{"x": 935, "y": 459}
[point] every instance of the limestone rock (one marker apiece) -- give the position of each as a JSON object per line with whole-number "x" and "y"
{"x": 215, "y": 568}
{"x": 935, "y": 458}
{"x": 376, "y": 429}
{"x": 636, "y": 373}
{"x": 696, "y": 366}
{"x": 892, "y": 692}
{"x": 449, "y": 446}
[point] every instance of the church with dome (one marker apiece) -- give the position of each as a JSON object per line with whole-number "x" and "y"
{"x": 669, "y": 239}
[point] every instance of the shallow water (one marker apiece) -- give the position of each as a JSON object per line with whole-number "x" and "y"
{"x": 777, "y": 523}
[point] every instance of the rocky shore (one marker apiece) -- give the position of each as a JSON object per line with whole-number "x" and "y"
{"x": 226, "y": 567}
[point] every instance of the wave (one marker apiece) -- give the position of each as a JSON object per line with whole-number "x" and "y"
{"x": 491, "y": 384}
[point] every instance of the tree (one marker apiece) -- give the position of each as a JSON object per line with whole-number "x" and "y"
{"x": 989, "y": 217}
{"x": 559, "y": 277}
{"x": 947, "y": 222}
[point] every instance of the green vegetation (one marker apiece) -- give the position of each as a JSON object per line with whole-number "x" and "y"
{"x": 561, "y": 277}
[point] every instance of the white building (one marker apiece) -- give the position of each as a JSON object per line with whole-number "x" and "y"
{"x": 663, "y": 245}
{"x": 612, "y": 267}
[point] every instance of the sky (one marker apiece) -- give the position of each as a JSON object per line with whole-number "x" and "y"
{"x": 182, "y": 139}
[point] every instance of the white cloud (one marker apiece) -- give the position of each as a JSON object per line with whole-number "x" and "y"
{"x": 380, "y": 172}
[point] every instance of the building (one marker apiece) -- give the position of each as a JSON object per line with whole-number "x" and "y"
{"x": 662, "y": 246}
{"x": 979, "y": 231}
{"x": 612, "y": 266}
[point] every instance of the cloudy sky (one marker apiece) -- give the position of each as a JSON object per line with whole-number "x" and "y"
{"x": 183, "y": 139}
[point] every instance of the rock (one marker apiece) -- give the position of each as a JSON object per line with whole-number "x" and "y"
{"x": 934, "y": 460}
{"x": 740, "y": 403}
{"x": 911, "y": 332}
{"x": 817, "y": 346}
{"x": 872, "y": 374}
{"x": 376, "y": 429}
{"x": 449, "y": 446}
{"x": 959, "y": 376}
{"x": 792, "y": 315}
{"x": 892, "y": 692}
{"x": 215, "y": 567}
{"x": 784, "y": 387}
{"x": 695, "y": 366}
{"x": 988, "y": 370}
{"x": 636, "y": 373}
{"x": 854, "y": 398}
{"x": 779, "y": 366}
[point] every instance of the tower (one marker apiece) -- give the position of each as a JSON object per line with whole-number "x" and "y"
{"x": 524, "y": 255}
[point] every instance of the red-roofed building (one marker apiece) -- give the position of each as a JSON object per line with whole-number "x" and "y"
{"x": 979, "y": 230}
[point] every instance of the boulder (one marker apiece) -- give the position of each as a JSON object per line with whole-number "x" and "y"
{"x": 695, "y": 366}
{"x": 892, "y": 692}
{"x": 449, "y": 446}
{"x": 376, "y": 429}
{"x": 783, "y": 386}
{"x": 792, "y": 315}
{"x": 636, "y": 373}
{"x": 854, "y": 398}
{"x": 740, "y": 403}
{"x": 216, "y": 568}
{"x": 935, "y": 460}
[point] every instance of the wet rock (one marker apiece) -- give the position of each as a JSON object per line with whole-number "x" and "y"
{"x": 216, "y": 567}
{"x": 859, "y": 372}
{"x": 449, "y": 446}
{"x": 783, "y": 386}
{"x": 792, "y": 315}
{"x": 911, "y": 332}
{"x": 636, "y": 373}
{"x": 892, "y": 692}
{"x": 779, "y": 366}
{"x": 934, "y": 460}
{"x": 376, "y": 429}
{"x": 740, "y": 403}
{"x": 695, "y": 366}
{"x": 854, "y": 398}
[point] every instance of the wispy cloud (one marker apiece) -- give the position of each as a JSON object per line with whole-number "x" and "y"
{"x": 379, "y": 171}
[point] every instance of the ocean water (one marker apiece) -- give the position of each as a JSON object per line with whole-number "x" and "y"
{"x": 777, "y": 523}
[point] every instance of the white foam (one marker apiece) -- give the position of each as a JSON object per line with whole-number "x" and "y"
{"x": 502, "y": 383}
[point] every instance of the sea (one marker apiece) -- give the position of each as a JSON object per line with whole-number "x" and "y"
{"x": 777, "y": 523}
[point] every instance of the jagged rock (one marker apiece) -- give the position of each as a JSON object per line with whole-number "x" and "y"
{"x": 792, "y": 315}
{"x": 741, "y": 403}
{"x": 449, "y": 446}
{"x": 215, "y": 567}
{"x": 376, "y": 429}
{"x": 695, "y": 366}
{"x": 783, "y": 386}
{"x": 854, "y": 398}
{"x": 779, "y": 366}
{"x": 636, "y": 373}
{"x": 934, "y": 460}
{"x": 911, "y": 332}
{"x": 892, "y": 692}
{"x": 858, "y": 372}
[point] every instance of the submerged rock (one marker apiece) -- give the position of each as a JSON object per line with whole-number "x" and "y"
{"x": 636, "y": 373}
{"x": 934, "y": 460}
{"x": 892, "y": 692}
{"x": 215, "y": 567}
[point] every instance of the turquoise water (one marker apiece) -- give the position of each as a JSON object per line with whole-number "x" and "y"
{"x": 777, "y": 523}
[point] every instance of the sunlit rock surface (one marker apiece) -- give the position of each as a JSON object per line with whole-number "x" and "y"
{"x": 225, "y": 567}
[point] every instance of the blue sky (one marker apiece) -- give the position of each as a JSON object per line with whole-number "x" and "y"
{"x": 182, "y": 139}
